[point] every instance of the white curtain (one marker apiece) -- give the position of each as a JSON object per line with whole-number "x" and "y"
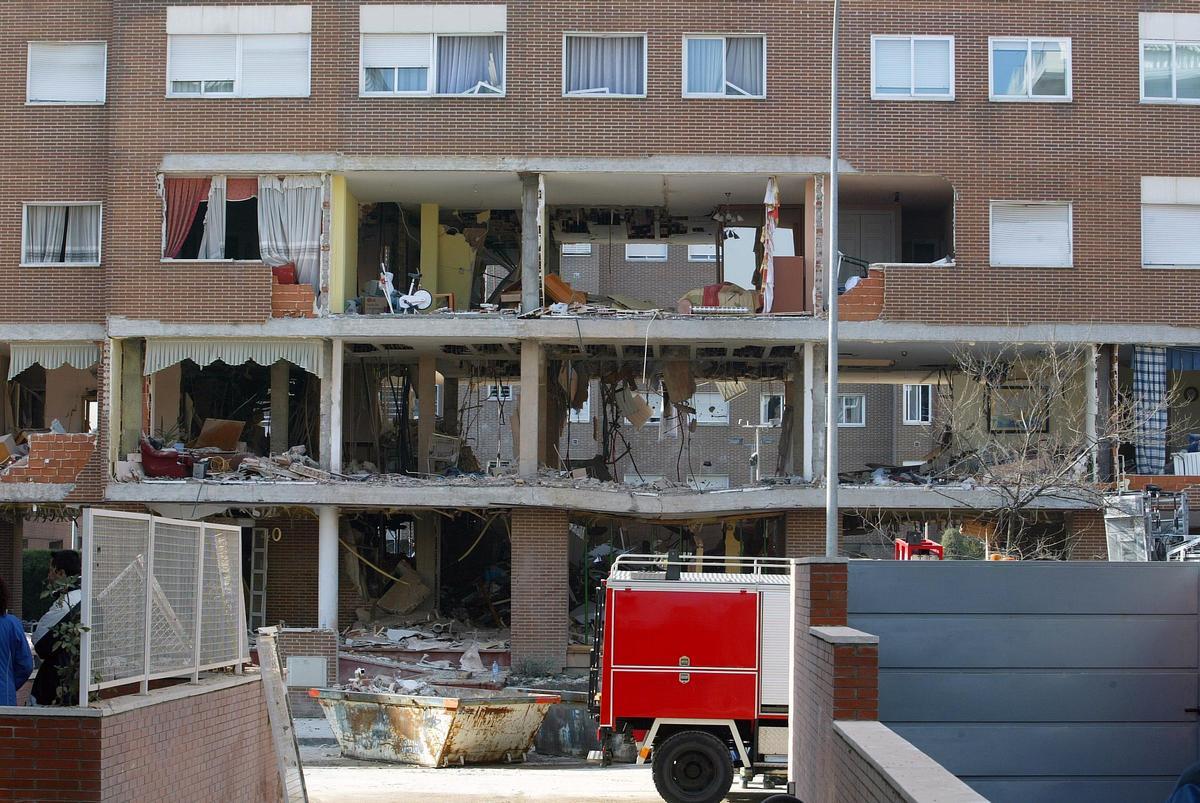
{"x": 289, "y": 224}
{"x": 705, "y": 66}
{"x": 83, "y": 234}
{"x": 212, "y": 244}
{"x": 744, "y": 65}
{"x": 611, "y": 65}
{"x": 44, "y": 233}
{"x": 469, "y": 65}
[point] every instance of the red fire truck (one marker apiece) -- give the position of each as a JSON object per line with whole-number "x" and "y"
{"x": 693, "y": 663}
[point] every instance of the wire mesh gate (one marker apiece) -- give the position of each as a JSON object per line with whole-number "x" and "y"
{"x": 161, "y": 598}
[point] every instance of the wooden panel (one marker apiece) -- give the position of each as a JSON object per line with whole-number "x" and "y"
{"x": 792, "y": 290}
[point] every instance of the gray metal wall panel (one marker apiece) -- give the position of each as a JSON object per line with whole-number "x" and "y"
{"x": 951, "y": 696}
{"x": 1088, "y": 750}
{"x": 1039, "y": 681}
{"x": 1022, "y": 587}
{"x": 1038, "y": 790}
{"x": 1028, "y": 641}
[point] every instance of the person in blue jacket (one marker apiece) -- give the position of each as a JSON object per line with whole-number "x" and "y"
{"x": 16, "y": 662}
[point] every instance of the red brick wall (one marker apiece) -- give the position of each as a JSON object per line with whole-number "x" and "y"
{"x": 539, "y": 589}
{"x": 308, "y": 641}
{"x": 291, "y": 300}
{"x": 865, "y": 301}
{"x": 292, "y": 576}
{"x": 804, "y": 530}
{"x": 211, "y": 746}
{"x": 52, "y": 458}
{"x": 1087, "y": 539}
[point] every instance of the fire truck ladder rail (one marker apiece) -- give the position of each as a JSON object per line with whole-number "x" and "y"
{"x": 701, "y": 564}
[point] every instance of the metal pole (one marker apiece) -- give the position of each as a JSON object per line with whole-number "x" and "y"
{"x": 835, "y": 265}
{"x": 148, "y": 611}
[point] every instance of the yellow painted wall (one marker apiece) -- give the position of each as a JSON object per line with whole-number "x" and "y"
{"x": 430, "y": 231}
{"x": 343, "y": 246}
{"x": 456, "y": 267}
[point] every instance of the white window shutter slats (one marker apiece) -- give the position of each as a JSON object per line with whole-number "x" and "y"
{"x": 275, "y": 66}
{"x": 66, "y": 72}
{"x": 892, "y": 66}
{"x": 387, "y": 50}
{"x": 1031, "y": 235}
{"x": 931, "y": 66}
{"x": 202, "y": 58}
{"x": 1171, "y": 235}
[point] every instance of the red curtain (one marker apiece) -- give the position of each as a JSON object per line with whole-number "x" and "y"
{"x": 183, "y": 199}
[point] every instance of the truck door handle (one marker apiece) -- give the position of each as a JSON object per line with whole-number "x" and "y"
{"x": 684, "y": 677}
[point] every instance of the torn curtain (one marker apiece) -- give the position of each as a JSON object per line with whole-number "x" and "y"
{"x": 1150, "y": 408}
{"x": 289, "y": 224}
{"x": 770, "y": 222}
{"x": 183, "y": 199}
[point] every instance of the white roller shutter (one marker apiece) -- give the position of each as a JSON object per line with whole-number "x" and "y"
{"x": 201, "y": 58}
{"x": 66, "y": 72}
{"x": 931, "y": 66}
{"x": 1031, "y": 235}
{"x": 1171, "y": 235}
{"x": 399, "y": 50}
{"x": 275, "y": 66}
{"x": 893, "y": 66}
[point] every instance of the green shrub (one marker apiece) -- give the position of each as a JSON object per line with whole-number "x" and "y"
{"x": 961, "y": 547}
{"x": 35, "y": 564}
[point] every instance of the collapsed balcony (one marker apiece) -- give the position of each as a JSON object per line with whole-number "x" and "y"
{"x": 50, "y": 412}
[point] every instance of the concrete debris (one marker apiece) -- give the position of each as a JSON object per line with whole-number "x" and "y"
{"x": 405, "y": 595}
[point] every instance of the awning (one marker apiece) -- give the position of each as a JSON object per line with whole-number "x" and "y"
{"x": 52, "y": 354}
{"x": 163, "y": 353}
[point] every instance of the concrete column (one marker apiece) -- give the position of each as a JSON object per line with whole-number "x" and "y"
{"x": 794, "y": 399}
{"x": 327, "y": 567}
{"x": 533, "y": 378}
{"x": 814, "y": 239}
{"x": 817, "y": 407}
{"x": 429, "y": 556}
{"x": 280, "y": 388}
{"x": 133, "y": 352}
{"x": 337, "y": 387}
{"x": 450, "y": 406}
{"x": 539, "y": 590}
{"x": 324, "y": 435}
{"x": 430, "y": 229}
{"x": 531, "y": 253}
{"x": 427, "y": 408}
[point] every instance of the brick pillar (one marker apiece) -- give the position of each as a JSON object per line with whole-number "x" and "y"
{"x": 1086, "y": 536}
{"x": 539, "y": 590}
{"x": 836, "y": 676}
{"x": 11, "y": 552}
{"x": 804, "y": 531}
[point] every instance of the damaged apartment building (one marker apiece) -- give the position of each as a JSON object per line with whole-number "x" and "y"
{"x": 448, "y": 304}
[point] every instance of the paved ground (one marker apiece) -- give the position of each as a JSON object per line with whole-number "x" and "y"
{"x": 333, "y": 779}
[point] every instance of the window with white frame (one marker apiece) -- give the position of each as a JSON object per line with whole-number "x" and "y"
{"x": 432, "y": 64}
{"x": 771, "y": 409}
{"x": 415, "y": 401}
{"x": 238, "y": 51}
{"x": 1171, "y": 72}
{"x": 702, "y": 253}
{"x": 606, "y": 65}
{"x": 584, "y": 414}
{"x": 577, "y": 249}
{"x": 1170, "y": 222}
{"x": 1031, "y": 235}
{"x": 210, "y": 218}
{"x": 499, "y": 393}
{"x": 66, "y": 72}
{"x": 852, "y": 410}
{"x": 646, "y": 252}
{"x": 711, "y": 408}
{"x": 918, "y": 404}
{"x": 907, "y": 67}
{"x": 1030, "y": 69}
{"x": 60, "y": 234}
{"x": 724, "y": 67}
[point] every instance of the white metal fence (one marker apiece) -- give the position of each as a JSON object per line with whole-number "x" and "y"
{"x": 161, "y": 598}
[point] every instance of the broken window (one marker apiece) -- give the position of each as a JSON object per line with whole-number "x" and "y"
{"x": 711, "y": 408}
{"x": 211, "y": 218}
{"x": 724, "y": 66}
{"x": 605, "y": 64}
{"x": 584, "y": 414}
{"x": 403, "y": 64}
{"x": 28, "y": 393}
{"x": 61, "y": 234}
{"x": 771, "y": 410}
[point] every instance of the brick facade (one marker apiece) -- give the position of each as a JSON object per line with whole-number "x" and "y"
{"x": 292, "y": 575}
{"x": 178, "y": 744}
{"x": 309, "y": 642}
{"x": 52, "y": 458}
{"x": 1088, "y": 540}
{"x": 539, "y": 590}
{"x": 804, "y": 533}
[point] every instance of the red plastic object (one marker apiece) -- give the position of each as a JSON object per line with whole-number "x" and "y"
{"x": 906, "y": 551}
{"x": 285, "y": 274}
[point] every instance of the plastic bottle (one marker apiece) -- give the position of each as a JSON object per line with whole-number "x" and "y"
{"x": 495, "y": 672}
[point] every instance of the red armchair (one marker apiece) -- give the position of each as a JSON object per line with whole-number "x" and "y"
{"x": 164, "y": 462}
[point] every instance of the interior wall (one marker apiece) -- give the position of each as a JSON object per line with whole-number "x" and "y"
{"x": 164, "y": 400}
{"x": 65, "y": 389}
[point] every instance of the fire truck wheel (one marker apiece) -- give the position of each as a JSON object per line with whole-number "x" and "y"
{"x": 692, "y": 767}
